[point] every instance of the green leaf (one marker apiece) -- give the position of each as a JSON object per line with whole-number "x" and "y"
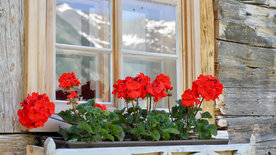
{"x": 110, "y": 137}
{"x": 85, "y": 126}
{"x": 122, "y": 136}
{"x": 156, "y": 135}
{"x": 179, "y": 102}
{"x": 97, "y": 138}
{"x": 212, "y": 129}
{"x": 103, "y": 131}
{"x": 204, "y": 135}
{"x": 73, "y": 140}
{"x": 165, "y": 135}
{"x": 171, "y": 130}
{"x": 184, "y": 135}
{"x": 206, "y": 115}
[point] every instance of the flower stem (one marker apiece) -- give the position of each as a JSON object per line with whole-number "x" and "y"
{"x": 61, "y": 120}
{"x": 147, "y": 105}
{"x": 150, "y": 105}
{"x": 199, "y": 106}
{"x": 169, "y": 107}
{"x": 155, "y": 105}
{"x": 133, "y": 107}
{"x": 75, "y": 111}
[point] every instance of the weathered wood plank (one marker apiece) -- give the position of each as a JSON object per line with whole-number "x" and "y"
{"x": 268, "y": 147}
{"x": 250, "y": 101}
{"x": 249, "y": 24}
{"x": 12, "y": 60}
{"x": 207, "y": 40}
{"x": 246, "y": 66}
{"x": 264, "y": 3}
{"x": 15, "y": 143}
{"x": 34, "y": 150}
{"x": 241, "y": 129}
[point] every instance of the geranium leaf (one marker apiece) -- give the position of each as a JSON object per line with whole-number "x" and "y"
{"x": 156, "y": 135}
{"x": 206, "y": 115}
{"x": 85, "y": 126}
{"x": 171, "y": 130}
{"x": 110, "y": 137}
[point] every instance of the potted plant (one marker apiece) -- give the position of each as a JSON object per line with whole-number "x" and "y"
{"x": 93, "y": 125}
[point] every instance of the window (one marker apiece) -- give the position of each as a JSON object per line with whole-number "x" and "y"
{"x": 149, "y": 41}
{"x": 84, "y": 41}
{"x": 84, "y": 46}
{"x": 111, "y": 39}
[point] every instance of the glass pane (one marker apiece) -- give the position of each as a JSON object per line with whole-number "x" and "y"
{"x": 83, "y": 22}
{"x": 149, "y": 26}
{"x": 93, "y": 71}
{"x": 133, "y": 65}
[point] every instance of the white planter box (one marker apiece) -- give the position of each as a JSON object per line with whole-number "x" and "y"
{"x": 238, "y": 149}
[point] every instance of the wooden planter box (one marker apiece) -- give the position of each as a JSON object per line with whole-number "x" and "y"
{"x": 183, "y": 147}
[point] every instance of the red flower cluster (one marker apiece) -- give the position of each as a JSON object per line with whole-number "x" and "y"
{"x": 36, "y": 110}
{"x": 159, "y": 87}
{"x": 72, "y": 97}
{"x": 68, "y": 80}
{"x": 73, "y": 94}
{"x": 206, "y": 86}
{"x": 102, "y": 107}
{"x": 140, "y": 86}
{"x": 189, "y": 99}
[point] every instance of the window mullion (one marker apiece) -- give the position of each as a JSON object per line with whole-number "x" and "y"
{"x": 117, "y": 44}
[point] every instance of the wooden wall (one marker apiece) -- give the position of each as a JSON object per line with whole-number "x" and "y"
{"x": 12, "y": 77}
{"x": 247, "y": 68}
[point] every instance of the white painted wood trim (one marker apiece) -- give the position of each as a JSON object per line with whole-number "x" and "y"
{"x": 244, "y": 149}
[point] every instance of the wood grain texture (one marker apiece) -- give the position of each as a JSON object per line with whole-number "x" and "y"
{"x": 246, "y": 66}
{"x": 207, "y": 39}
{"x": 12, "y": 60}
{"x": 15, "y": 144}
{"x": 36, "y": 51}
{"x": 246, "y": 23}
{"x": 263, "y": 3}
{"x": 246, "y": 59}
{"x": 117, "y": 46}
{"x": 250, "y": 101}
{"x": 34, "y": 150}
{"x": 241, "y": 128}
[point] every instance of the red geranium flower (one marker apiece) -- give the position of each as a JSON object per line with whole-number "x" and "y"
{"x": 165, "y": 80}
{"x": 102, "y": 107}
{"x": 189, "y": 99}
{"x": 36, "y": 110}
{"x": 208, "y": 87}
{"x": 133, "y": 89}
{"x": 144, "y": 82}
{"x": 72, "y": 95}
{"x": 156, "y": 90}
{"x": 160, "y": 87}
{"x": 129, "y": 89}
{"x": 68, "y": 80}
{"x": 120, "y": 89}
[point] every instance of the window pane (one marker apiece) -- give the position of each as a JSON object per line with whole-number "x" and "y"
{"x": 83, "y": 22}
{"x": 133, "y": 65}
{"x": 149, "y": 26}
{"x": 93, "y": 71}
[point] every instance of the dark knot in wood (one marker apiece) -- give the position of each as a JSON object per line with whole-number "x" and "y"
{"x": 1, "y": 11}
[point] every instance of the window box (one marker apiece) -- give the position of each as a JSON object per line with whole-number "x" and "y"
{"x": 149, "y": 148}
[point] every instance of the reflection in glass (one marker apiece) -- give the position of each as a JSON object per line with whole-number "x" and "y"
{"x": 133, "y": 65}
{"x": 149, "y": 26}
{"x": 93, "y": 71}
{"x": 83, "y": 22}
